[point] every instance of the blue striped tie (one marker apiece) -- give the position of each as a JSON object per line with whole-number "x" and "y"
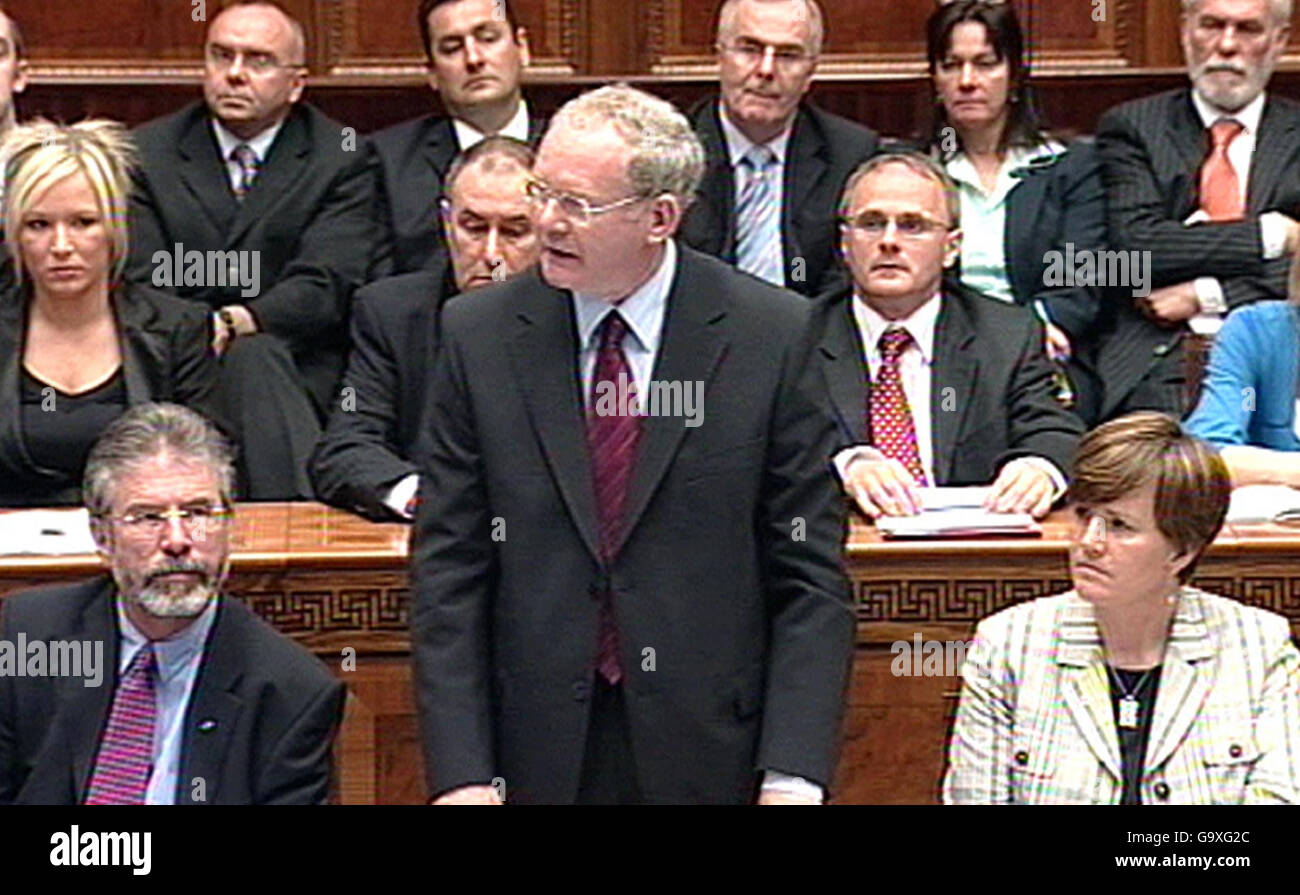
{"x": 758, "y": 220}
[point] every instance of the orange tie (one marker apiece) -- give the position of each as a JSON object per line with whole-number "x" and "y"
{"x": 1220, "y": 189}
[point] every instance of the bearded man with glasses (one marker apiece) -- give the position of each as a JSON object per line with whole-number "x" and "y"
{"x": 775, "y": 162}
{"x": 200, "y": 702}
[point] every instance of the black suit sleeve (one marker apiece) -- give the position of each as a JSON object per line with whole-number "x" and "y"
{"x": 298, "y": 767}
{"x": 454, "y": 574}
{"x": 356, "y": 461}
{"x": 1083, "y": 218}
{"x": 808, "y": 597}
{"x": 194, "y": 366}
{"x": 1138, "y": 218}
{"x": 383, "y": 252}
{"x": 310, "y": 299}
{"x": 146, "y": 230}
{"x": 1037, "y": 423}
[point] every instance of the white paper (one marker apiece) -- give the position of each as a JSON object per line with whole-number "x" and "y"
{"x": 943, "y": 498}
{"x": 955, "y": 521}
{"x": 1262, "y": 503}
{"x": 45, "y": 532}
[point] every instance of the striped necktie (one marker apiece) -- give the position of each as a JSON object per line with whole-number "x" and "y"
{"x": 249, "y": 164}
{"x": 758, "y": 219}
{"x": 125, "y": 759}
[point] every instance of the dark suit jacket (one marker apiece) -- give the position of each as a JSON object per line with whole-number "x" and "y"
{"x": 823, "y": 151}
{"x": 749, "y": 622}
{"x": 258, "y": 729}
{"x": 166, "y": 356}
{"x": 369, "y": 446}
{"x": 990, "y": 355}
{"x": 409, "y": 161}
{"x": 1152, "y": 151}
{"x": 308, "y": 214}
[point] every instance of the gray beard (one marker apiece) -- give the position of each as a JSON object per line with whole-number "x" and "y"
{"x": 1230, "y": 99}
{"x": 162, "y": 600}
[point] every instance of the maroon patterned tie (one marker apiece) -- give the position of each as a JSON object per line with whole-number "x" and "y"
{"x": 893, "y": 431}
{"x": 122, "y": 768}
{"x": 612, "y": 440}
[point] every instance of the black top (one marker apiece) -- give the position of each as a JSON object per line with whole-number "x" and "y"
{"x": 1133, "y": 740}
{"x": 59, "y": 429}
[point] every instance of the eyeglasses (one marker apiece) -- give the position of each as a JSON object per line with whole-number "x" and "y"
{"x": 873, "y": 225}
{"x": 196, "y": 520}
{"x": 752, "y": 52}
{"x": 223, "y": 58}
{"x": 573, "y": 207}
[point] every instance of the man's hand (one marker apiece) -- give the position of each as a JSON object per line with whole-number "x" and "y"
{"x": 1171, "y": 305}
{"x": 1292, "y": 234}
{"x": 776, "y": 797}
{"x": 241, "y": 319}
{"x": 478, "y": 794}
{"x": 220, "y": 334}
{"x": 1021, "y": 488}
{"x": 882, "y": 487}
{"x": 1058, "y": 344}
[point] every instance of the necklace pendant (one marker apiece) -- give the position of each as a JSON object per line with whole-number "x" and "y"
{"x": 1128, "y": 712}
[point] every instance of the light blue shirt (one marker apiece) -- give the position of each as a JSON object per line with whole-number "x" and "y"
{"x": 738, "y": 146}
{"x": 178, "y": 661}
{"x": 643, "y": 311}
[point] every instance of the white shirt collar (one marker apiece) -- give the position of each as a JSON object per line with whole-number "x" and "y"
{"x": 920, "y": 324}
{"x": 1248, "y": 115}
{"x": 261, "y": 144}
{"x": 175, "y": 652}
{"x": 643, "y": 310}
{"x": 738, "y": 145}
{"x": 467, "y": 135}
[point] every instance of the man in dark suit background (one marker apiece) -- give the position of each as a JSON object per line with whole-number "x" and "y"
{"x": 477, "y": 53}
{"x": 262, "y": 189}
{"x": 775, "y": 163}
{"x": 932, "y": 382}
{"x": 365, "y": 459}
{"x": 13, "y": 70}
{"x": 610, "y": 606}
{"x": 182, "y": 695}
{"x": 1207, "y": 180}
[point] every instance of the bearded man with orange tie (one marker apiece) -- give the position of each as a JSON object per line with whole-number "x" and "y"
{"x": 932, "y": 383}
{"x": 1206, "y": 181}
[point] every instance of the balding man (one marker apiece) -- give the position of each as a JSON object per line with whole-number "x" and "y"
{"x": 365, "y": 459}
{"x": 476, "y": 53}
{"x": 1207, "y": 180}
{"x": 250, "y": 203}
{"x": 776, "y": 163}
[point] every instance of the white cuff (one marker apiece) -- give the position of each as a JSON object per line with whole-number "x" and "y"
{"x": 1209, "y": 295}
{"x": 400, "y": 495}
{"x": 1048, "y": 467}
{"x": 775, "y": 781}
{"x": 1042, "y": 313}
{"x": 1272, "y": 234}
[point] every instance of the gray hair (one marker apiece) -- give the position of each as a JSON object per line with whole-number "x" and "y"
{"x": 142, "y": 433}
{"x": 816, "y": 21}
{"x": 667, "y": 156}
{"x": 921, "y": 164}
{"x": 1281, "y": 9}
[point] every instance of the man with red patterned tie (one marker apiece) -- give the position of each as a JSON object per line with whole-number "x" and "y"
{"x": 932, "y": 383}
{"x": 1206, "y": 180}
{"x": 623, "y": 601}
{"x": 182, "y": 695}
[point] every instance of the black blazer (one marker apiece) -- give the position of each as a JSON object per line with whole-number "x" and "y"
{"x": 751, "y": 627}
{"x": 166, "y": 356}
{"x": 369, "y": 443}
{"x": 989, "y": 368}
{"x": 823, "y": 151}
{"x": 258, "y": 728}
{"x": 1152, "y": 150}
{"x": 308, "y": 214}
{"x": 409, "y": 161}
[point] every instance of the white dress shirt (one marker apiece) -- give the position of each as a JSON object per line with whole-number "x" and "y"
{"x": 1272, "y": 225}
{"x": 261, "y": 144}
{"x": 467, "y": 135}
{"x": 915, "y": 370}
{"x": 738, "y": 146}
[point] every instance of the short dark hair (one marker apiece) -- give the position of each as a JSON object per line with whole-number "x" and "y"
{"x": 19, "y": 45}
{"x": 493, "y": 147}
{"x": 1193, "y": 486}
{"x": 428, "y": 6}
{"x": 1024, "y": 123}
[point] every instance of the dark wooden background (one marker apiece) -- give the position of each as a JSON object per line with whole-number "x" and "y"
{"x": 134, "y": 59}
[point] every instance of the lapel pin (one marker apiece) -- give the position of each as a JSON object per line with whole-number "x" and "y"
{"x": 207, "y": 725}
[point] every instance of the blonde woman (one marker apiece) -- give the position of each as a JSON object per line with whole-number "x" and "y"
{"x": 78, "y": 345}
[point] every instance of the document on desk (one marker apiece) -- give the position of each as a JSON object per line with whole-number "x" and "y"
{"x": 957, "y": 513}
{"x": 45, "y": 532}
{"x": 1264, "y": 503}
